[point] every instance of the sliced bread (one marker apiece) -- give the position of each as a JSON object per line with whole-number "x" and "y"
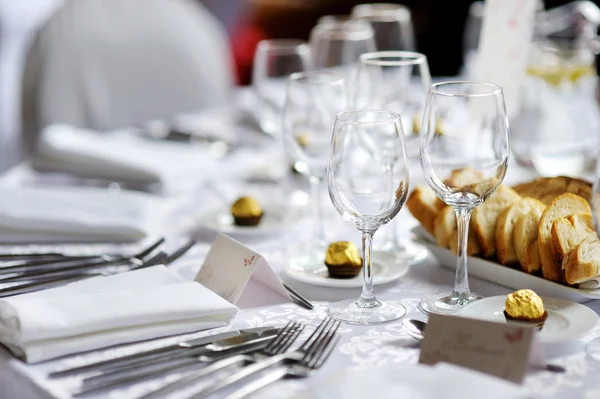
{"x": 583, "y": 263}
{"x": 546, "y": 189}
{"x": 485, "y": 217}
{"x": 567, "y": 233}
{"x": 463, "y": 177}
{"x": 505, "y": 246}
{"x": 444, "y": 226}
{"x": 525, "y": 233}
{"x": 562, "y": 206}
{"x": 473, "y": 247}
{"x": 532, "y": 263}
{"x": 424, "y": 205}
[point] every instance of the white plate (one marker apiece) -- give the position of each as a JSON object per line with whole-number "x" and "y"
{"x": 506, "y": 276}
{"x": 567, "y": 320}
{"x": 383, "y": 272}
{"x": 275, "y": 220}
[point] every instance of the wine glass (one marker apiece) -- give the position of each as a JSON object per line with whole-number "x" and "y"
{"x": 274, "y": 61}
{"x": 475, "y": 136}
{"x": 312, "y": 101}
{"x": 396, "y": 81}
{"x": 392, "y": 25}
{"x": 337, "y": 43}
{"x": 366, "y": 145}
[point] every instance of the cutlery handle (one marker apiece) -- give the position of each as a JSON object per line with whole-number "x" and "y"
{"x": 37, "y": 286}
{"x": 240, "y": 375}
{"x": 269, "y": 378}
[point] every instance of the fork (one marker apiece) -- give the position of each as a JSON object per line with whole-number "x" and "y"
{"x": 318, "y": 341}
{"x": 278, "y": 345}
{"x": 104, "y": 382}
{"x": 303, "y": 369}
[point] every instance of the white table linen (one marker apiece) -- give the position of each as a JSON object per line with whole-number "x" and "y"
{"x": 105, "y": 311}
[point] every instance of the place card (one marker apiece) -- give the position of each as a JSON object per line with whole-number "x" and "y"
{"x": 240, "y": 275}
{"x": 504, "y": 350}
{"x": 504, "y": 43}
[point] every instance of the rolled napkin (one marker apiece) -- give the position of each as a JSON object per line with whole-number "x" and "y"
{"x": 106, "y": 311}
{"x": 120, "y": 156}
{"x": 76, "y": 214}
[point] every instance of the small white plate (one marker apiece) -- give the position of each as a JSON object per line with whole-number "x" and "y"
{"x": 383, "y": 273}
{"x": 275, "y": 220}
{"x": 567, "y": 320}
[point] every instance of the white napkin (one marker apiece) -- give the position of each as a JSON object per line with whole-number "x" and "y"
{"x": 121, "y": 156}
{"x": 107, "y": 311}
{"x": 76, "y": 214}
{"x": 415, "y": 381}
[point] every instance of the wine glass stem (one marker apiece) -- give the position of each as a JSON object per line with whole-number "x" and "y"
{"x": 367, "y": 298}
{"x": 461, "y": 281}
{"x": 317, "y": 209}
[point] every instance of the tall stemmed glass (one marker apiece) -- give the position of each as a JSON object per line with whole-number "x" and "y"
{"x": 475, "y": 136}
{"x": 392, "y": 24}
{"x": 312, "y": 101}
{"x": 396, "y": 81}
{"x": 366, "y": 145}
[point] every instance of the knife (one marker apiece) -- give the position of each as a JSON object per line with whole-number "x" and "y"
{"x": 211, "y": 343}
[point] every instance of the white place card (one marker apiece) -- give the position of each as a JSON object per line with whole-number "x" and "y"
{"x": 240, "y": 275}
{"x": 504, "y": 350}
{"x": 504, "y": 45}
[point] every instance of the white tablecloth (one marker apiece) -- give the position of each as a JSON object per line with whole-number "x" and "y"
{"x": 359, "y": 346}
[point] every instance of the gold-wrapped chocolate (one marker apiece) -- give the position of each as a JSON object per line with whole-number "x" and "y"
{"x": 245, "y": 207}
{"x": 303, "y": 140}
{"x": 343, "y": 253}
{"x": 416, "y": 127}
{"x": 524, "y": 304}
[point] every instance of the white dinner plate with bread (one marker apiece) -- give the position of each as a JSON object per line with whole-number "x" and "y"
{"x": 536, "y": 235}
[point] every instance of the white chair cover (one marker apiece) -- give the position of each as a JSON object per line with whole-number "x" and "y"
{"x": 108, "y": 64}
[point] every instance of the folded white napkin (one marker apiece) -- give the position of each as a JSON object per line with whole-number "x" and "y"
{"x": 76, "y": 214}
{"x": 122, "y": 156}
{"x": 107, "y": 311}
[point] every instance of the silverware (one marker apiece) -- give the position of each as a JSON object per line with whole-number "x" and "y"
{"x": 416, "y": 329}
{"x": 213, "y": 342}
{"x": 131, "y": 375}
{"x": 278, "y": 345}
{"x": 302, "y": 369}
{"x": 313, "y": 347}
{"x": 298, "y": 298}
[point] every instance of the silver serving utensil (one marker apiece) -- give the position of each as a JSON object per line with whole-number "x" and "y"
{"x": 298, "y": 298}
{"x": 416, "y": 329}
{"x": 217, "y": 342}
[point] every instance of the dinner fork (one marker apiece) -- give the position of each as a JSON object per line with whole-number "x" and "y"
{"x": 311, "y": 349}
{"x": 126, "y": 376}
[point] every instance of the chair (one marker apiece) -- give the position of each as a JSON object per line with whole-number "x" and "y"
{"x": 108, "y": 64}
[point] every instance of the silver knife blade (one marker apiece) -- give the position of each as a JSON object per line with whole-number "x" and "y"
{"x": 218, "y": 340}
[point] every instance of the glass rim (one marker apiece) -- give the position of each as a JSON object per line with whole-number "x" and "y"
{"x": 307, "y": 78}
{"x": 353, "y": 29}
{"x": 382, "y": 12}
{"x": 395, "y": 117}
{"x": 437, "y": 88}
{"x": 376, "y": 58}
{"x": 283, "y": 46}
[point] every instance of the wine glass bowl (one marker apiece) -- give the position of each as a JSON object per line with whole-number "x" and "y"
{"x": 475, "y": 138}
{"x": 366, "y": 145}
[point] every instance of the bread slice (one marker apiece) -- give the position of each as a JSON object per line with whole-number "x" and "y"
{"x": 546, "y": 189}
{"x": 485, "y": 217}
{"x": 525, "y": 233}
{"x": 473, "y": 247}
{"x": 424, "y": 205}
{"x": 562, "y": 206}
{"x": 444, "y": 226}
{"x": 532, "y": 263}
{"x": 505, "y": 246}
{"x": 583, "y": 263}
{"x": 463, "y": 177}
{"x": 567, "y": 233}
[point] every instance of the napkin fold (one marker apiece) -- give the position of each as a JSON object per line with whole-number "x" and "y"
{"x": 76, "y": 214}
{"x": 119, "y": 156}
{"x": 106, "y": 311}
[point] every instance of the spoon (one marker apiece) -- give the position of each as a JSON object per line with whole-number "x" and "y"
{"x": 416, "y": 329}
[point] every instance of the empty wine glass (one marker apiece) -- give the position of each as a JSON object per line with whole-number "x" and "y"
{"x": 274, "y": 61}
{"x": 312, "y": 101}
{"x": 392, "y": 24}
{"x": 475, "y": 136}
{"x": 366, "y": 145}
{"x": 396, "y": 81}
{"x": 337, "y": 44}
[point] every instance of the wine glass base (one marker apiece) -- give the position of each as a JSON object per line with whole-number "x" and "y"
{"x": 349, "y": 311}
{"x": 592, "y": 349}
{"x": 446, "y": 304}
